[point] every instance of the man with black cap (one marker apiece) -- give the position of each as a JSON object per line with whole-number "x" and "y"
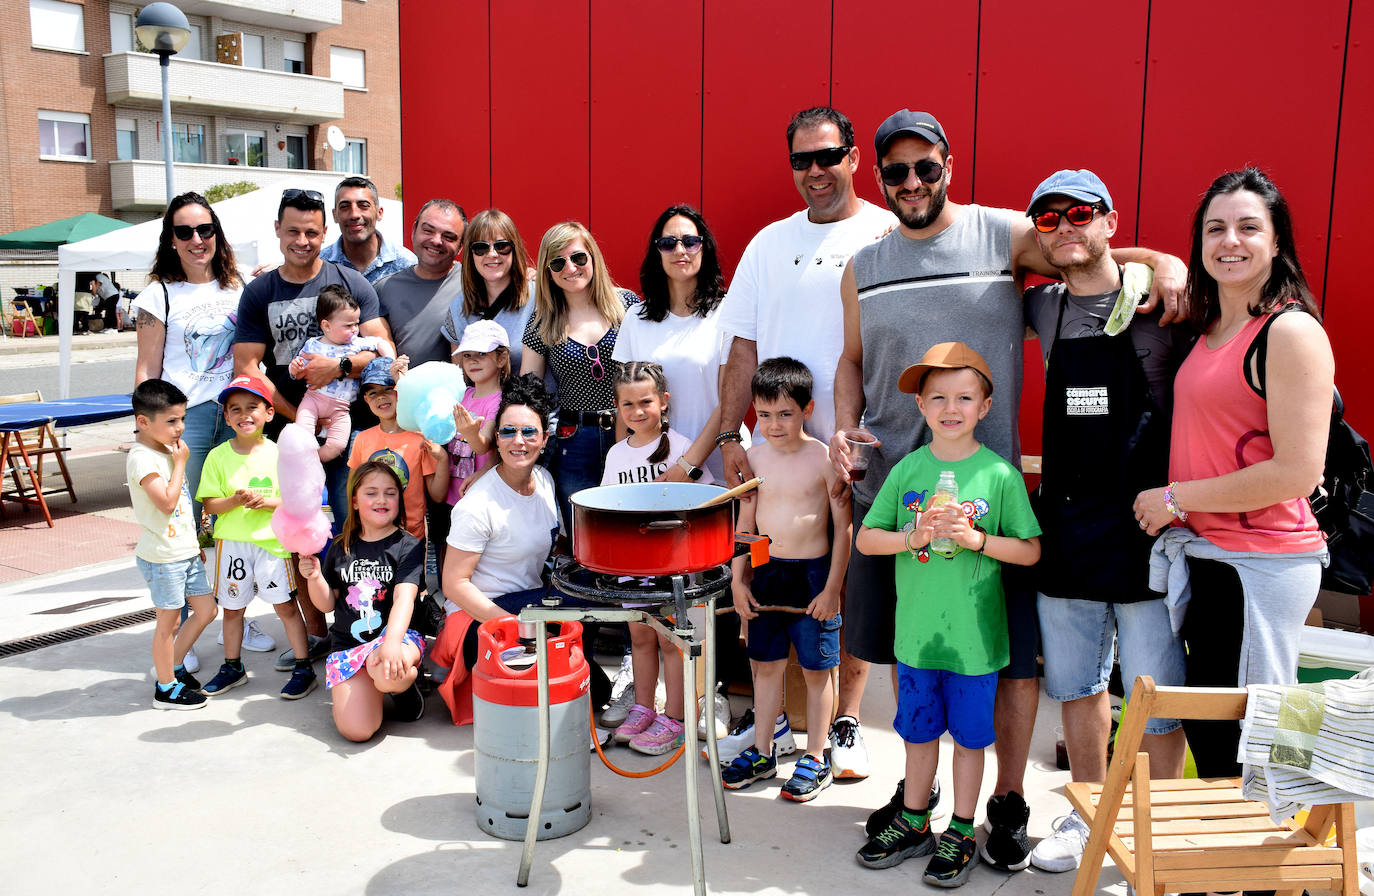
{"x": 949, "y": 272}
{"x": 1108, "y": 393}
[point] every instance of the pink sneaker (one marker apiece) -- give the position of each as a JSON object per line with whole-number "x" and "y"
{"x": 663, "y": 735}
{"x": 637, "y": 721}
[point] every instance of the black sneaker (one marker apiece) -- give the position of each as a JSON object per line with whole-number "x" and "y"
{"x": 180, "y": 696}
{"x": 748, "y": 767}
{"x": 895, "y": 844}
{"x": 302, "y": 682}
{"x": 809, "y": 778}
{"x": 225, "y": 679}
{"x": 1007, "y": 848}
{"x": 883, "y": 815}
{"x": 188, "y": 679}
{"x": 408, "y": 705}
{"x": 955, "y": 856}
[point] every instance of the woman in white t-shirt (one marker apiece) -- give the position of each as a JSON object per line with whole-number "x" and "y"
{"x": 677, "y": 329}
{"x": 185, "y": 320}
{"x": 502, "y": 531}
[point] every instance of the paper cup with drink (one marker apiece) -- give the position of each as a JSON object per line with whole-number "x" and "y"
{"x": 861, "y": 443}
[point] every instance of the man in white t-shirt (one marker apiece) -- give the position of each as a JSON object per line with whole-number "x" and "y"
{"x": 785, "y": 301}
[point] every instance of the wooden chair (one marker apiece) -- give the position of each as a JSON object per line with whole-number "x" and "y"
{"x": 23, "y": 322}
{"x": 1194, "y": 835}
{"x": 39, "y": 443}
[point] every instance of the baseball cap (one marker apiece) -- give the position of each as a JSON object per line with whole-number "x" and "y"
{"x": 483, "y": 336}
{"x": 247, "y": 383}
{"x": 908, "y": 124}
{"x": 944, "y": 356}
{"x": 377, "y": 373}
{"x": 1081, "y": 184}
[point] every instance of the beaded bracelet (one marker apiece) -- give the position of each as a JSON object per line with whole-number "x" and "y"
{"x": 730, "y": 435}
{"x": 1171, "y": 505}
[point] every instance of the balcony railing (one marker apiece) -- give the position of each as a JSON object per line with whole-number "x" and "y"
{"x": 141, "y": 184}
{"x": 132, "y": 79}
{"x": 289, "y": 15}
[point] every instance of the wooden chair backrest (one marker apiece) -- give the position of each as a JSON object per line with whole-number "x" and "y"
{"x": 21, "y": 397}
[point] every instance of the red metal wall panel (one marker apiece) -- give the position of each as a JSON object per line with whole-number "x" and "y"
{"x": 1223, "y": 94}
{"x": 540, "y": 122}
{"x": 445, "y": 133}
{"x": 764, "y": 62}
{"x": 1349, "y": 320}
{"x": 646, "y": 123}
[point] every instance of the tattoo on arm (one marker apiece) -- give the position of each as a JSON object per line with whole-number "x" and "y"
{"x": 146, "y": 319}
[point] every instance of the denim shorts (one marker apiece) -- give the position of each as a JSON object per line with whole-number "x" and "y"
{"x": 933, "y": 701}
{"x": 171, "y": 583}
{"x": 1077, "y": 638}
{"x": 792, "y": 583}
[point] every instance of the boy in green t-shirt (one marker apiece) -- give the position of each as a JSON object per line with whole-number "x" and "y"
{"x": 239, "y": 485}
{"x": 951, "y": 612}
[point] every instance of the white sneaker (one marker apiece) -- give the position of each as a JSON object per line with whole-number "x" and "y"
{"x": 848, "y": 755}
{"x": 622, "y": 697}
{"x": 192, "y": 662}
{"x": 722, "y": 716}
{"x": 600, "y": 737}
{"x": 737, "y": 741}
{"x": 1063, "y": 849}
{"x": 254, "y": 638}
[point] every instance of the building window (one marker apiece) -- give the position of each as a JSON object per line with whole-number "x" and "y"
{"x": 192, "y": 48}
{"x": 353, "y": 158}
{"x": 295, "y": 151}
{"x": 293, "y": 56}
{"x": 348, "y": 66}
{"x": 188, "y": 143}
{"x": 121, "y": 32}
{"x": 246, "y": 148}
{"x": 64, "y": 135}
{"x": 252, "y": 51}
{"x": 126, "y": 138}
{"x": 58, "y": 25}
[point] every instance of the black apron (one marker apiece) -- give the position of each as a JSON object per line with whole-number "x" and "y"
{"x": 1105, "y": 440}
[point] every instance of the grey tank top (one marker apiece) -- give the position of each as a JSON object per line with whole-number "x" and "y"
{"x": 956, "y": 286}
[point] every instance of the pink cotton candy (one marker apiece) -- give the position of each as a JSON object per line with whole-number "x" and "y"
{"x": 300, "y": 535}
{"x": 299, "y": 523}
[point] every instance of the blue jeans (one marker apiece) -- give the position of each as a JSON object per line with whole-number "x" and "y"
{"x": 205, "y": 428}
{"x": 336, "y": 485}
{"x": 578, "y": 462}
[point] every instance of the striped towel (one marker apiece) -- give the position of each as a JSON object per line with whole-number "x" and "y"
{"x": 1308, "y": 744}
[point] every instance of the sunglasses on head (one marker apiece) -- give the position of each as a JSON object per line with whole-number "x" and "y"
{"x": 482, "y": 247}
{"x": 312, "y": 195}
{"x": 183, "y": 231}
{"x": 826, "y": 158}
{"x": 559, "y": 262}
{"x": 927, "y": 171}
{"x": 1078, "y": 216}
{"x": 669, "y": 243}
{"x": 526, "y": 432}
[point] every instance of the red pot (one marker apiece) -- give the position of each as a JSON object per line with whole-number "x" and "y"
{"x": 651, "y": 529}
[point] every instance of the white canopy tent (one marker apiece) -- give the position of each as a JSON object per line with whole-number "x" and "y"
{"x": 247, "y": 221}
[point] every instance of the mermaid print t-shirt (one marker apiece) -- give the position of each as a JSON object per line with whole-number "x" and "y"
{"x": 363, "y": 580}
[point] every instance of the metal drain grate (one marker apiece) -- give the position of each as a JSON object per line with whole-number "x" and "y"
{"x": 37, "y": 642}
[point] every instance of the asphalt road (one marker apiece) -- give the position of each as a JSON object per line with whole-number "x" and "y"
{"x": 94, "y": 372}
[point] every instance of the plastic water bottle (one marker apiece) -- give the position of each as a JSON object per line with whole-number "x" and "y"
{"x": 946, "y": 492}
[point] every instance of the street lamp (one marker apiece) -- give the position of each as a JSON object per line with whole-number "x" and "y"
{"x": 163, "y": 29}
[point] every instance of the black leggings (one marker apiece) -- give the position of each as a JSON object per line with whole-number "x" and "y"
{"x": 1212, "y": 630}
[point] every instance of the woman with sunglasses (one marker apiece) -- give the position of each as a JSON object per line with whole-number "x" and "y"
{"x": 572, "y": 334}
{"x": 1252, "y": 410}
{"x": 498, "y": 281}
{"x": 502, "y": 532}
{"x": 678, "y": 328}
{"x": 185, "y": 322}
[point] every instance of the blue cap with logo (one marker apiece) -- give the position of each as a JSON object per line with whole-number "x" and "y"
{"x": 1081, "y": 184}
{"x": 377, "y": 373}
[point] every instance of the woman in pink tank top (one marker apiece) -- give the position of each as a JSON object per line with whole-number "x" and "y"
{"x": 1248, "y": 446}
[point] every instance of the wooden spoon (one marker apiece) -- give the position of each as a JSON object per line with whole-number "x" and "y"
{"x": 732, "y": 493}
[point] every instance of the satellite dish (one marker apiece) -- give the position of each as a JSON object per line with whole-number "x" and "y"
{"x": 335, "y": 138}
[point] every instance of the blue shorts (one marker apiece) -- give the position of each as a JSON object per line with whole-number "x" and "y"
{"x": 1078, "y": 637}
{"x": 932, "y": 701}
{"x": 171, "y": 583}
{"x": 792, "y": 583}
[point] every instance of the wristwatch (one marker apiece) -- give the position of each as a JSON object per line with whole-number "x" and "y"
{"x": 345, "y": 366}
{"x": 693, "y": 473}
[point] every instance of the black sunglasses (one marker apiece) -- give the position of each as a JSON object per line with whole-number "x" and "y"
{"x": 1078, "y": 216}
{"x": 826, "y": 158}
{"x": 928, "y": 171}
{"x": 528, "y": 433}
{"x": 559, "y": 262}
{"x": 313, "y": 195}
{"x": 482, "y": 247}
{"x": 183, "y": 231}
{"x": 668, "y": 243}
